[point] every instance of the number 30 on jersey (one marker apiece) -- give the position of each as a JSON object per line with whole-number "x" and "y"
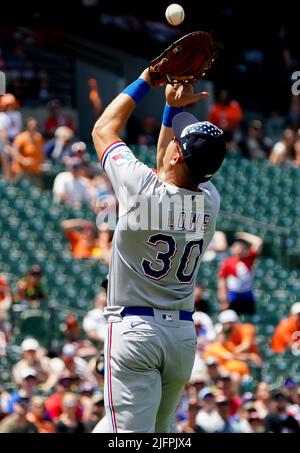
{"x": 166, "y": 258}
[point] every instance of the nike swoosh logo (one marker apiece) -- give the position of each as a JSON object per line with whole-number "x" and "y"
{"x": 136, "y": 323}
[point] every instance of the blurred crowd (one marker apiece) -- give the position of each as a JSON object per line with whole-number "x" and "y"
{"x": 28, "y": 149}
{"x": 275, "y": 138}
{"x": 218, "y": 403}
{"x": 55, "y": 391}
{"x": 60, "y": 388}
{"x": 29, "y": 153}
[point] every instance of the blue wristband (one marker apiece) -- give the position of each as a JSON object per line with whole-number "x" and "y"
{"x": 137, "y": 90}
{"x": 169, "y": 113}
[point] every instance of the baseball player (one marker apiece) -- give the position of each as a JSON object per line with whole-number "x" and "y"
{"x": 151, "y": 340}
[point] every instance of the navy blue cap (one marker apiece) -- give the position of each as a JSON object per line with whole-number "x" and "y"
{"x": 202, "y": 144}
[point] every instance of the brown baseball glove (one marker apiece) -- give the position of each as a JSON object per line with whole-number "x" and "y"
{"x": 192, "y": 56}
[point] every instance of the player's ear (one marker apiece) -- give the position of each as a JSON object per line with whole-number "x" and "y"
{"x": 175, "y": 158}
{"x": 179, "y": 159}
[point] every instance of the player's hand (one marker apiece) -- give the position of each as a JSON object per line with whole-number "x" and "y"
{"x": 182, "y": 95}
{"x": 146, "y": 76}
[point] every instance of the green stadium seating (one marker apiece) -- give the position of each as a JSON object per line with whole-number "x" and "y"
{"x": 255, "y": 197}
{"x": 35, "y": 323}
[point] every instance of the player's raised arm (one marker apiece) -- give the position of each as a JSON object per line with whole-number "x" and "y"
{"x": 177, "y": 97}
{"x": 255, "y": 241}
{"x": 108, "y": 127}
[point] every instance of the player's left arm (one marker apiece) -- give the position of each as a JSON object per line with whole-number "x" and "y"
{"x": 177, "y": 97}
{"x": 255, "y": 241}
{"x": 108, "y": 127}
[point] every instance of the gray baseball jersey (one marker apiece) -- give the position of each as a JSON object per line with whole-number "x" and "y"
{"x": 161, "y": 236}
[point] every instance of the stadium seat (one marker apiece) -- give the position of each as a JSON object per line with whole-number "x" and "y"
{"x": 35, "y": 323}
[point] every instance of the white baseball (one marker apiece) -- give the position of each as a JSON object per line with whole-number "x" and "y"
{"x": 175, "y": 14}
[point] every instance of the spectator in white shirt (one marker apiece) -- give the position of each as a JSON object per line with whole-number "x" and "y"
{"x": 204, "y": 329}
{"x": 94, "y": 323}
{"x": 208, "y": 419}
{"x": 10, "y": 117}
{"x": 284, "y": 149}
{"x": 32, "y": 357}
{"x": 70, "y": 187}
{"x": 69, "y": 362}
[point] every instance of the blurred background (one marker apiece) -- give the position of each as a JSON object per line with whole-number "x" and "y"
{"x": 64, "y": 62}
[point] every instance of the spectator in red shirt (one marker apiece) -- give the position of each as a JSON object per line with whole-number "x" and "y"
{"x": 229, "y": 389}
{"x": 54, "y": 402}
{"x": 57, "y": 118}
{"x": 235, "y": 278}
{"x": 5, "y": 297}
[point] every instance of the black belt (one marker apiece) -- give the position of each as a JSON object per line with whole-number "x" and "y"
{"x": 148, "y": 311}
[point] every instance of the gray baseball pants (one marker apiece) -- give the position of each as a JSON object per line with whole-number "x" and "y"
{"x": 148, "y": 362}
